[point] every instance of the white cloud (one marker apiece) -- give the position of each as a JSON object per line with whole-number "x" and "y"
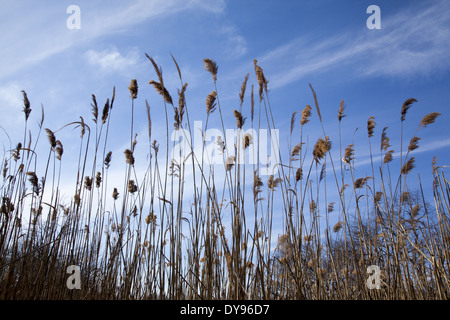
{"x": 412, "y": 42}
{"x": 111, "y": 60}
{"x": 236, "y": 45}
{"x": 42, "y": 32}
{"x": 11, "y": 101}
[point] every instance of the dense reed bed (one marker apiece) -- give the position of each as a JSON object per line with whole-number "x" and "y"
{"x": 189, "y": 229}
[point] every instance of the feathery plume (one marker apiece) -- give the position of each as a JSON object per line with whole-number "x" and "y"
{"x": 429, "y": 119}
{"x": 26, "y": 103}
{"x": 210, "y": 102}
{"x": 248, "y": 140}
{"x": 51, "y": 138}
{"x": 348, "y": 155}
{"x": 94, "y": 108}
{"x": 321, "y": 148}
{"x": 273, "y": 183}
{"x": 129, "y": 158}
{"x": 338, "y": 226}
{"x": 105, "y": 111}
{"x": 182, "y": 101}
{"x": 98, "y": 179}
{"x": 133, "y": 87}
{"x": 211, "y": 67}
{"x": 229, "y": 162}
{"x": 384, "y": 140}
{"x": 261, "y": 79}
{"x": 59, "y": 150}
{"x": 406, "y": 105}
{"x": 388, "y": 156}
{"x": 408, "y": 166}
{"x": 296, "y": 150}
{"x": 370, "y": 126}
{"x": 88, "y": 183}
{"x": 330, "y": 207}
{"x": 316, "y": 102}
{"x": 132, "y": 188}
{"x": 157, "y": 69}
{"x": 359, "y": 183}
{"x": 413, "y": 144}
{"x": 107, "y": 160}
{"x": 293, "y": 120}
{"x": 299, "y": 174}
{"x": 415, "y": 210}
{"x": 306, "y": 113}
{"x": 378, "y": 196}
{"x": 83, "y": 129}
{"x": 341, "y": 111}
{"x": 162, "y": 91}
{"x": 243, "y": 87}
{"x": 433, "y": 164}
{"x": 239, "y": 119}
{"x": 115, "y": 194}
{"x": 257, "y": 184}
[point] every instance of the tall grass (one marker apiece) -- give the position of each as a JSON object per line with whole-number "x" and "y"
{"x": 150, "y": 238}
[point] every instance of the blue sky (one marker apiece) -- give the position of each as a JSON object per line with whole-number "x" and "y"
{"x": 325, "y": 43}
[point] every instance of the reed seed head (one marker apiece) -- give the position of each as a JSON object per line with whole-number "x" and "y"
{"x": 261, "y": 79}
{"x": 211, "y": 67}
{"x": 129, "y": 158}
{"x": 408, "y": 166}
{"x": 273, "y": 183}
{"x": 306, "y": 113}
{"x": 162, "y": 91}
{"x": 59, "y": 150}
{"x": 115, "y": 194}
{"x": 384, "y": 140}
{"x": 88, "y": 183}
{"x": 349, "y": 154}
{"x": 132, "y": 188}
{"x": 413, "y": 144}
{"x": 240, "y": 120}
{"x": 51, "y": 138}
{"x": 229, "y": 162}
{"x": 105, "y": 111}
{"x": 94, "y": 108}
{"x": 26, "y": 103}
{"x": 210, "y": 102}
{"x": 133, "y": 88}
{"x": 98, "y": 179}
{"x": 341, "y": 111}
{"x": 321, "y": 148}
{"x": 338, "y": 226}
{"x": 107, "y": 160}
{"x": 371, "y": 126}
{"x": 243, "y": 87}
{"x": 299, "y": 174}
{"x": 248, "y": 140}
{"x": 388, "y": 156}
{"x": 429, "y": 119}
{"x": 406, "y": 105}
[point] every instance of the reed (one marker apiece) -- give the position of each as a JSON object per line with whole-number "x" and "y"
{"x": 303, "y": 233}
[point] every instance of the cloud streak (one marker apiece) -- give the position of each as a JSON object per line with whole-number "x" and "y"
{"x": 404, "y": 47}
{"x": 43, "y": 33}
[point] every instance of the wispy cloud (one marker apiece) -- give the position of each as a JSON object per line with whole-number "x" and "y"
{"x": 411, "y": 42}
{"x": 111, "y": 60}
{"x": 236, "y": 45}
{"x": 43, "y": 33}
